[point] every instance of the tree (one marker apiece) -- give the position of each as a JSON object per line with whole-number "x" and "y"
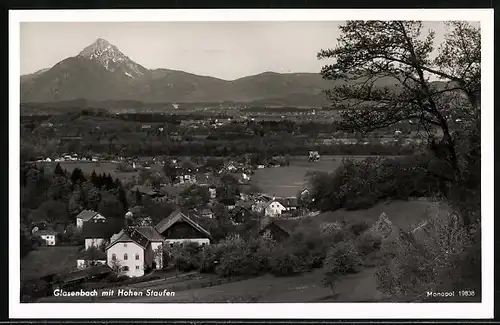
{"x": 92, "y": 197}
{"x": 388, "y": 68}
{"x": 50, "y": 211}
{"x": 77, "y": 176}
{"x": 58, "y": 170}
{"x": 75, "y": 203}
{"x": 138, "y": 197}
{"x": 195, "y": 196}
{"x": 170, "y": 171}
{"x": 60, "y": 188}
{"x": 111, "y": 207}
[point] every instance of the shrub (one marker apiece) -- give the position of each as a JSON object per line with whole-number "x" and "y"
{"x": 284, "y": 263}
{"x": 343, "y": 258}
{"x": 368, "y": 243}
{"x": 362, "y": 184}
{"x": 186, "y": 257}
{"x": 440, "y": 256}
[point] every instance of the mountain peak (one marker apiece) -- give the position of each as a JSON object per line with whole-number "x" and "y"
{"x": 99, "y": 48}
{"x": 111, "y": 58}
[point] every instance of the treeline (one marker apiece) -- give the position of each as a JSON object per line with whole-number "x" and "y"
{"x": 361, "y": 184}
{"x": 52, "y": 199}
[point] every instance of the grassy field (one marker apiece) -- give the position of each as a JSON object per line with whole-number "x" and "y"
{"x": 404, "y": 214}
{"x": 288, "y": 180}
{"x": 48, "y": 260}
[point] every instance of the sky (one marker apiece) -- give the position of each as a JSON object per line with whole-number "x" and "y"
{"x": 226, "y": 50}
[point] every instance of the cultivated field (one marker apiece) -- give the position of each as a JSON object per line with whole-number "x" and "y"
{"x": 48, "y": 260}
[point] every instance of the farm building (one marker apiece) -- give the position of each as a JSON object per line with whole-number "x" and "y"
{"x": 274, "y": 209}
{"x": 133, "y": 250}
{"x": 279, "y": 229}
{"x": 86, "y": 216}
{"x": 49, "y": 236}
{"x": 239, "y": 214}
{"x": 179, "y": 228}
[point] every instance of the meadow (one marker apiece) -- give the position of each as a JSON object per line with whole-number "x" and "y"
{"x": 48, "y": 260}
{"x": 287, "y": 181}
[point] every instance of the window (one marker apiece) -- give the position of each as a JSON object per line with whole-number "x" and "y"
{"x": 113, "y": 257}
{"x": 125, "y": 256}
{"x": 136, "y": 256}
{"x": 137, "y": 267}
{"x": 125, "y": 268}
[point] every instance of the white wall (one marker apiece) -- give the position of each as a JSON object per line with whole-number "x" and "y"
{"x": 50, "y": 240}
{"x": 274, "y": 209}
{"x": 200, "y": 241}
{"x": 131, "y": 249}
{"x": 89, "y": 242}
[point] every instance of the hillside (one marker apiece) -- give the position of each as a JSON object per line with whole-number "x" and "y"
{"x": 101, "y": 72}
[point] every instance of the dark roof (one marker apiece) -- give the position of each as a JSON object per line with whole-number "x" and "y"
{"x": 85, "y": 273}
{"x": 288, "y": 225}
{"x": 140, "y": 235}
{"x": 45, "y": 232}
{"x": 86, "y": 215}
{"x": 97, "y": 230}
{"x": 150, "y": 233}
{"x": 177, "y": 216}
{"x": 288, "y": 202}
{"x": 245, "y": 204}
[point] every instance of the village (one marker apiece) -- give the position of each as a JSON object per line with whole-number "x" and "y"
{"x": 135, "y": 246}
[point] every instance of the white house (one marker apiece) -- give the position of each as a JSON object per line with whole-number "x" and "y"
{"x": 179, "y": 228}
{"x": 134, "y": 249}
{"x": 274, "y": 209}
{"x": 49, "y": 236}
{"x": 213, "y": 192}
{"x": 87, "y": 215}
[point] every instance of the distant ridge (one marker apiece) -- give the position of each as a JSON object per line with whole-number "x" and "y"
{"x": 101, "y": 72}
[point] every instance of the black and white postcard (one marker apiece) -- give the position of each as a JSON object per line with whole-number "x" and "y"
{"x": 251, "y": 164}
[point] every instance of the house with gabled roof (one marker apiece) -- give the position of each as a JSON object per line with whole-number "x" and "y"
{"x": 179, "y": 228}
{"x": 274, "y": 209}
{"x": 135, "y": 249}
{"x": 280, "y": 229}
{"x": 48, "y": 236}
{"x": 86, "y": 216}
{"x": 239, "y": 214}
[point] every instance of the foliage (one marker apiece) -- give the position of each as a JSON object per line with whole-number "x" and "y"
{"x": 368, "y": 243}
{"x": 50, "y": 212}
{"x": 195, "y": 196}
{"x": 110, "y": 206}
{"x": 387, "y": 66}
{"x": 362, "y": 184}
{"x": 343, "y": 258}
{"x": 184, "y": 257}
{"x": 441, "y": 256}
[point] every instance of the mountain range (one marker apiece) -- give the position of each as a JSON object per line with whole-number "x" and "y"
{"x": 102, "y": 72}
